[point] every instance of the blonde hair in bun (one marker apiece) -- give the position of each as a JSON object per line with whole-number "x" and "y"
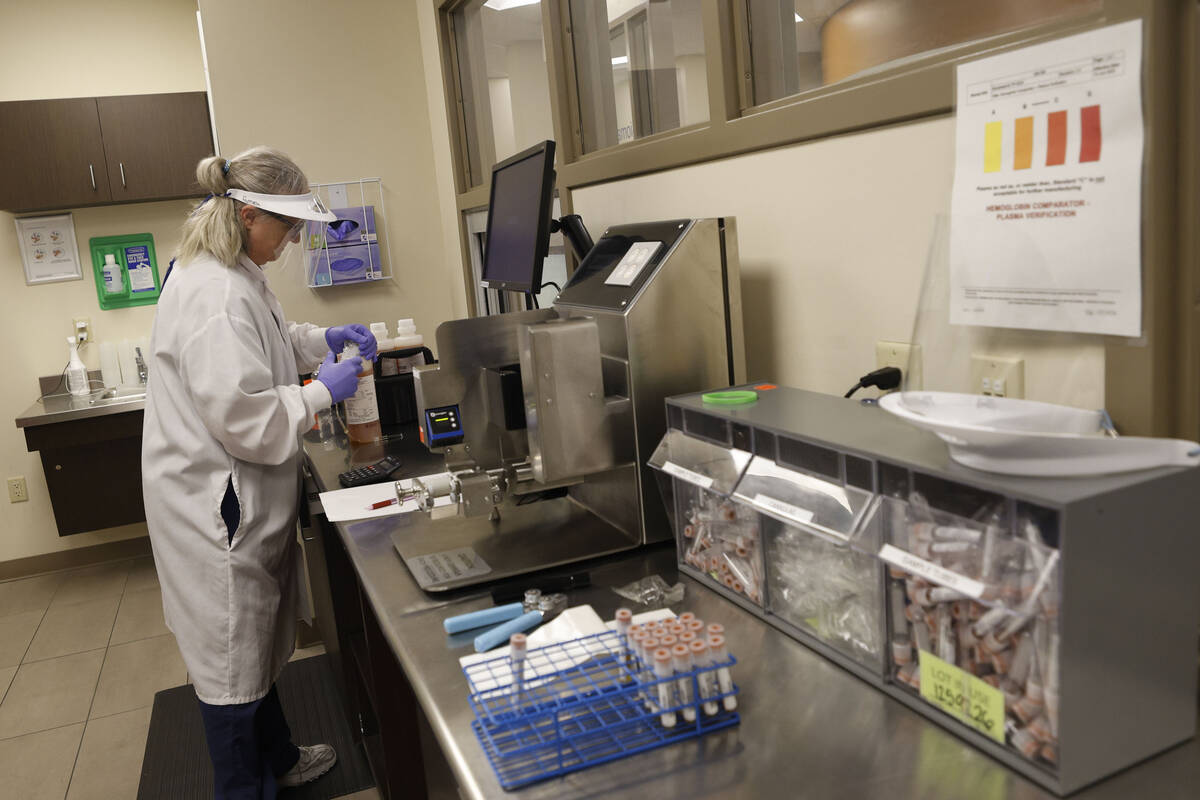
{"x": 214, "y": 228}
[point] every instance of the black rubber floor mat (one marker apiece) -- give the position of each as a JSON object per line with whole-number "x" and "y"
{"x": 176, "y": 763}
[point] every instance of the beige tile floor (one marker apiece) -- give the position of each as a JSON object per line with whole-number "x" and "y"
{"x": 82, "y": 654}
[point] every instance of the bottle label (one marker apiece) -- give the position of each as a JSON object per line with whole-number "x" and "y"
{"x": 362, "y": 406}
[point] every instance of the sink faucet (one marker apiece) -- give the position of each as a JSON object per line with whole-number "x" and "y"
{"x": 141, "y": 366}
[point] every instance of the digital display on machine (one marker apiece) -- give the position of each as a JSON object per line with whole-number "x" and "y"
{"x": 518, "y": 227}
{"x": 443, "y": 426}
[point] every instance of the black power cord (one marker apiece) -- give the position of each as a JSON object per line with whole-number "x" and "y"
{"x": 883, "y": 379}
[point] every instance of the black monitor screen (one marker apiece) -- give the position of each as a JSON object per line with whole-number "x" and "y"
{"x": 518, "y": 228}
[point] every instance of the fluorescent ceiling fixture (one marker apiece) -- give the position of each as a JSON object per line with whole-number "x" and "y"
{"x": 620, "y": 60}
{"x": 798, "y": 17}
{"x": 505, "y": 5}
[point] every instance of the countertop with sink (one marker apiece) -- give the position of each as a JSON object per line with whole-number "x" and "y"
{"x": 65, "y": 407}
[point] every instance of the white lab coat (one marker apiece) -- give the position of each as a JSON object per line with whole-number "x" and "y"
{"x": 224, "y": 402}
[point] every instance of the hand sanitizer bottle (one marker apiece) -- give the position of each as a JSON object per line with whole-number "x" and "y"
{"x": 113, "y": 283}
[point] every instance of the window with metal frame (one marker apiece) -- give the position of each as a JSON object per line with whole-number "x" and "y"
{"x": 639, "y": 68}
{"x": 501, "y": 82}
{"x": 792, "y": 46}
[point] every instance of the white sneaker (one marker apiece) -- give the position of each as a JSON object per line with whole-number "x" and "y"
{"x": 314, "y": 762}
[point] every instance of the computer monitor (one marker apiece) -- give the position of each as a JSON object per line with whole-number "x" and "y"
{"x": 518, "y": 224}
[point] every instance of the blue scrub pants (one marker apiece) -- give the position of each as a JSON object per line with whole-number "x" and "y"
{"x": 250, "y": 744}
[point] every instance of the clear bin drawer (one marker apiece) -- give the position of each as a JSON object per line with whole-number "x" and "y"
{"x": 972, "y": 607}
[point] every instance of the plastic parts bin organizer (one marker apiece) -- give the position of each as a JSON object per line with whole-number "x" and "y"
{"x": 581, "y": 703}
{"x": 1050, "y": 622}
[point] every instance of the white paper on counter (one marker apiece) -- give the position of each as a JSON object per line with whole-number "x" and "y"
{"x": 345, "y": 504}
{"x": 574, "y": 623}
{"x": 342, "y": 505}
{"x": 1045, "y": 230}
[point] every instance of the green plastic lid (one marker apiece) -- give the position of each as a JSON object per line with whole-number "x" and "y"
{"x": 736, "y": 397}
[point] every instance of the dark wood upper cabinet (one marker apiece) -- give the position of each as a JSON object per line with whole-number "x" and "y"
{"x": 51, "y": 155}
{"x": 152, "y": 142}
{"x": 88, "y": 151}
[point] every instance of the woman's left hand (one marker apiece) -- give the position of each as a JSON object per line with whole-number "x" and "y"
{"x": 336, "y": 337}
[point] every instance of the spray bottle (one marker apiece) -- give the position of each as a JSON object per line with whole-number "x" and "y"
{"x": 362, "y": 409}
{"x": 77, "y": 376}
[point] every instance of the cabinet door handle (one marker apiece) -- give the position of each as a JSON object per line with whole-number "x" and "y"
{"x": 121, "y": 164}
{"x": 92, "y": 172}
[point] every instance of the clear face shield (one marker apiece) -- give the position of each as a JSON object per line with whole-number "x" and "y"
{"x": 291, "y": 210}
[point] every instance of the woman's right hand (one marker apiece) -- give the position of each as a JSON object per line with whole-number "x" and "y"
{"x": 340, "y": 377}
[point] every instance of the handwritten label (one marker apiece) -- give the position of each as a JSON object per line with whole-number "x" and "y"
{"x": 783, "y": 509}
{"x": 931, "y": 572}
{"x": 962, "y": 696}
{"x": 703, "y": 481}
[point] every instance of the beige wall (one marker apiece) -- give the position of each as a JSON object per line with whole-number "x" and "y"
{"x": 346, "y": 100}
{"x": 37, "y": 319}
{"x": 833, "y": 237}
{"x": 84, "y": 48}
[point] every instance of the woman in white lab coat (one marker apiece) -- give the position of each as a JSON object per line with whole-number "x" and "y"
{"x": 221, "y": 460}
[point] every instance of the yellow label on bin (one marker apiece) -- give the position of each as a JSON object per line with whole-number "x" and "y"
{"x": 961, "y": 695}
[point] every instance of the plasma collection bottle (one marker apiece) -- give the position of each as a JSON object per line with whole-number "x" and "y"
{"x": 362, "y": 409}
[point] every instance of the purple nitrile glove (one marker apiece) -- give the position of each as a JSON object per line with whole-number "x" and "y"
{"x": 340, "y": 377}
{"x": 336, "y": 337}
{"x": 340, "y": 229}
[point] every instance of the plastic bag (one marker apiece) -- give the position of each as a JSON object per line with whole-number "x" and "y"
{"x": 652, "y": 592}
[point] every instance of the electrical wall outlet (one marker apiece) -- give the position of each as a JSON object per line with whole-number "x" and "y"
{"x": 17, "y": 491}
{"x": 998, "y": 376}
{"x": 83, "y": 329}
{"x": 903, "y": 355}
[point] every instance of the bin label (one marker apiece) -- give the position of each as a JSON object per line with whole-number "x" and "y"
{"x": 963, "y": 696}
{"x": 931, "y": 572}
{"x": 684, "y": 474}
{"x": 783, "y": 509}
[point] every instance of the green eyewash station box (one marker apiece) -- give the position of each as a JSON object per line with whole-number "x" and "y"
{"x": 126, "y": 270}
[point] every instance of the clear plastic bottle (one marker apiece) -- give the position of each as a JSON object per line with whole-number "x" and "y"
{"x": 77, "y": 376}
{"x": 362, "y": 409}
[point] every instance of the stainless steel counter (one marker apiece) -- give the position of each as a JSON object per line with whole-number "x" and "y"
{"x": 809, "y": 729}
{"x": 65, "y": 408}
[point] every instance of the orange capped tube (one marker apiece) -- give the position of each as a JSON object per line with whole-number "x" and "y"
{"x": 681, "y": 654}
{"x": 706, "y": 680}
{"x": 662, "y": 670}
{"x": 517, "y": 646}
{"x": 716, "y": 645}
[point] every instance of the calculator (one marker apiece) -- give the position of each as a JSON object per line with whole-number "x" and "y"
{"x": 378, "y": 472}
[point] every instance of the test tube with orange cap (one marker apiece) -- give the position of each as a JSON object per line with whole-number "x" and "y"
{"x": 516, "y": 656}
{"x": 624, "y": 621}
{"x": 663, "y": 667}
{"x": 716, "y": 644}
{"x": 682, "y": 656}
{"x": 707, "y": 681}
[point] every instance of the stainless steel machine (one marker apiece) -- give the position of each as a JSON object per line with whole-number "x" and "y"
{"x": 547, "y": 417}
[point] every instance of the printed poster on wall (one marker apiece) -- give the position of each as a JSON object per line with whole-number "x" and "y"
{"x": 1045, "y": 231}
{"x": 48, "y": 249}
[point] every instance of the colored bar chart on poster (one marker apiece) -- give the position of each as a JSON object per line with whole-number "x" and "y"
{"x": 1023, "y": 143}
{"x": 1056, "y": 138}
{"x": 1045, "y": 230}
{"x": 993, "y": 146}
{"x": 1089, "y": 129}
